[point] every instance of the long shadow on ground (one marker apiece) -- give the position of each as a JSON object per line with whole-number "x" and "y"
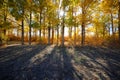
{"x": 53, "y": 66}
{"x": 49, "y": 62}
{"x": 36, "y": 63}
{"x": 13, "y": 58}
{"x": 102, "y": 61}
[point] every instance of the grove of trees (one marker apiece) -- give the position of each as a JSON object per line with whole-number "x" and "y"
{"x": 73, "y": 22}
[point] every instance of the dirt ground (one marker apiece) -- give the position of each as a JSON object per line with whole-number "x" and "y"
{"x": 50, "y": 62}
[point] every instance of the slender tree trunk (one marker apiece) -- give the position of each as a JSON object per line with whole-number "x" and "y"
{"x": 74, "y": 35}
{"x": 83, "y": 28}
{"x": 112, "y": 24}
{"x": 17, "y": 32}
{"x": 119, "y": 21}
{"x": 44, "y": 33}
{"x": 52, "y": 35}
{"x": 30, "y": 28}
{"x": 109, "y": 31}
{"x": 5, "y": 19}
{"x": 57, "y": 34}
{"x": 63, "y": 29}
{"x": 75, "y": 32}
{"x": 22, "y": 36}
{"x": 83, "y": 34}
{"x": 70, "y": 32}
{"x": 44, "y": 27}
{"x": 40, "y": 27}
{"x": 70, "y": 29}
{"x": 103, "y": 31}
{"x": 63, "y": 35}
{"x": 22, "y": 26}
{"x": 40, "y": 35}
{"x": 49, "y": 34}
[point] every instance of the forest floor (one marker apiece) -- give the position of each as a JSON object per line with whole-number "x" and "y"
{"x": 51, "y": 62}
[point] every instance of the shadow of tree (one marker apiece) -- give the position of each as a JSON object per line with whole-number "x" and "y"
{"x": 48, "y": 62}
{"x": 54, "y": 66}
{"x": 96, "y": 55}
{"x": 14, "y": 57}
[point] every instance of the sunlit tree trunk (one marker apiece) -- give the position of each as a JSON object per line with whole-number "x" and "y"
{"x": 74, "y": 35}
{"x": 83, "y": 28}
{"x": 103, "y": 30}
{"x": 75, "y": 32}
{"x": 70, "y": 32}
{"x": 17, "y": 32}
{"x": 40, "y": 26}
{"x": 63, "y": 25}
{"x": 83, "y": 34}
{"x": 112, "y": 23}
{"x": 70, "y": 28}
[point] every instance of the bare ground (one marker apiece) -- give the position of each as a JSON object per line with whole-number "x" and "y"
{"x": 49, "y": 62}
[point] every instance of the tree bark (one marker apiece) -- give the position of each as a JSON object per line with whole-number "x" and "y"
{"x": 70, "y": 32}
{"x": 52, "y": 35}
{"x": 74, "y": 35}
{"x": 57, "y": 34}
{"x": 22, "y": 36}
{"x": 44, "y": 28}
{"x": 103, "y": 31}
{"x": 83, "y": 28}
{"x": 49, "y": 34}
{"x": 30, "y": 28}
{"x": 5, "y": 20}
{"x": 40, "y": 27}
{"x": 119, "y": 21}
{"x": 22, "y": 26}
{"x": 83, "y": 34}
{"x": 63, "y": 28}
{"x": 112, "y": 23}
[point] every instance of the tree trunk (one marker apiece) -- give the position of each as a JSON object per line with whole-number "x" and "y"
{"x": 22, "y": 36}
{"x": 119, "y": 21}
{"x": 5, "y": 19}
{"x": 44, "y": 33}
{"x": 103, "y": 32}
{"x": 40, "y": 27}
{"x": 22, "y": 26}
{"x": 83, "y": 28}
{"x": 17, "y": 32}
{"x": 52, "y": 35}
{"x": 70, "y": 32}
{"x": 83, "y": 34}
{"x": 70, "y": 29}
{"x": 74, "y": 35}
{"x": 112, "y": 24}
{"x": 57, "y": 34}
{"x": 30, "y": 28}
{"x": 109, "y": 31}
{"x": 49, "y": 34}
{"x": 40, "y": 35}
{"x": 44, "y": 28}
{"x": 63, "y": 28}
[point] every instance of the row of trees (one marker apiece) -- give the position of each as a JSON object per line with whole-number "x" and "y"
{"x": 102, "y": 17}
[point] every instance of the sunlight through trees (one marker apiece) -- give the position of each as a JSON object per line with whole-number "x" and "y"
{"x": 62, "y": 22}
